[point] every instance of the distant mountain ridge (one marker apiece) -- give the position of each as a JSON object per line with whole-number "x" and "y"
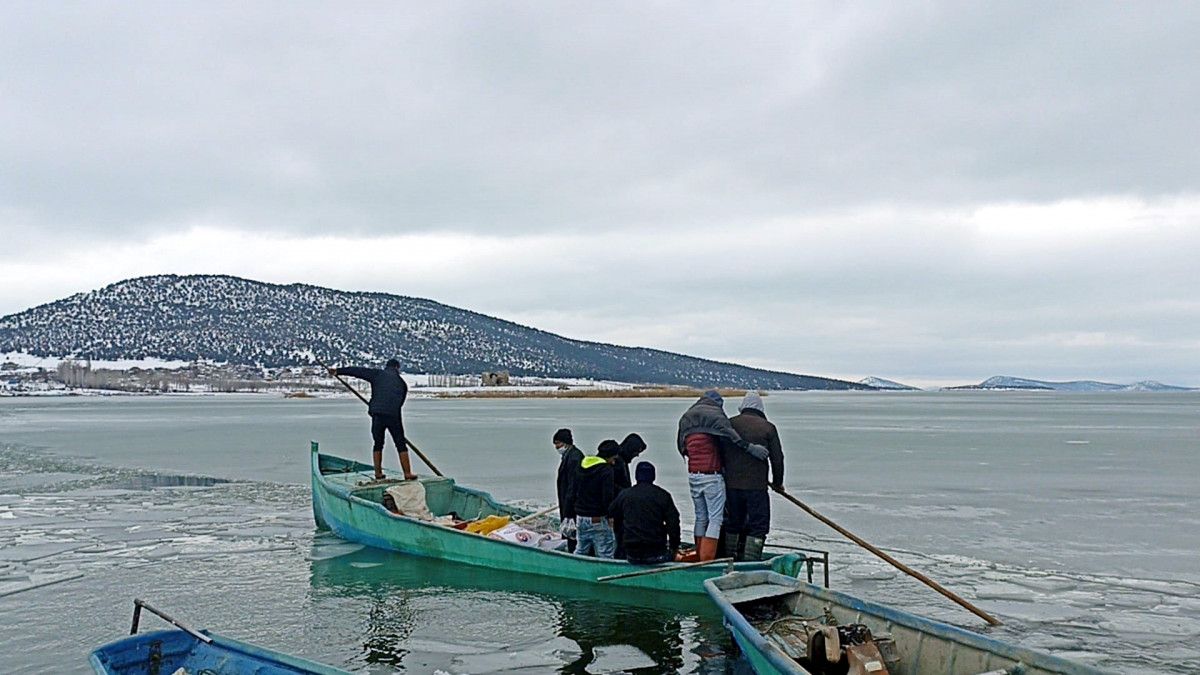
{"x": 1007, "y": 382}
{"x": 234, "y": 320}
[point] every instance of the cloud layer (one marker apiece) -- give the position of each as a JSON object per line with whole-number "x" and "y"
{"x": 931, "y": 192}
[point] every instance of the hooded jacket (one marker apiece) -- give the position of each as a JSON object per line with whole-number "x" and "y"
{"x": 743, "y": 472}
{"x": 706, "y": 416}
{"x": 631, "y": 447}
{"x": 388, "y": 389}
{"x": 592, "y": 491}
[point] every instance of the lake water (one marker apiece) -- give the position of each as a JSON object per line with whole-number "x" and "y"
{"x": 1072, "y": 517}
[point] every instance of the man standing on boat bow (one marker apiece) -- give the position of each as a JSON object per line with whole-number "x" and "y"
{"x": 388, "y": 393}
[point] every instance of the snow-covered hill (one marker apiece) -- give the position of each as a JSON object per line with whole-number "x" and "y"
{"x": 1007, "y": 382}
{"x": 228, "y": 319}
{"x": 890, "y": 385}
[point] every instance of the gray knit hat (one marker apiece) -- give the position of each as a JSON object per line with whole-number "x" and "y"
{"x": 752, "y": 401}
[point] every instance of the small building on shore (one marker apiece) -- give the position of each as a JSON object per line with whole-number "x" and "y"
{"x": 497, "y": 378}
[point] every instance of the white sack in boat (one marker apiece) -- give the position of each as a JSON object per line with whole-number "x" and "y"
{"x": 410, "y": 499}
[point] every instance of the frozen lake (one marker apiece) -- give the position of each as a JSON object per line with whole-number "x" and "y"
{"x": 1072, "y": 517}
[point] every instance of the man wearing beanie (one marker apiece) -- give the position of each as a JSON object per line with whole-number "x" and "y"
{"x": 388, "y": 393}
{"x": 631, "y": 447}
{"x": 747, "y": 504}
{"x": 569, "y": 459}
{"x": 706, "y": 439}
{"x": 589, "y": 496}
{"x": 649, "y": 519}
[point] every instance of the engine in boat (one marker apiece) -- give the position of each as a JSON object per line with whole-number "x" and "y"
{"x": 822, "y": 646}
{"x": 849, "y": 650}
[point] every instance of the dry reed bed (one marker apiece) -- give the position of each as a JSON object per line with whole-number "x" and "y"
{"x": 640, "y": 392}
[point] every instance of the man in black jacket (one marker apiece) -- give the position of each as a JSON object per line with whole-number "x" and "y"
{"x": 648, "y": 519}
{"x": 591, "y": 493}
{"x": 388, "y": 393}
{"x": 570, "y": 457}
{"x": 747, "y": 503}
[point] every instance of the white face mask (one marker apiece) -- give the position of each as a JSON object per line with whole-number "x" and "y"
{"x": 560, "y": 450}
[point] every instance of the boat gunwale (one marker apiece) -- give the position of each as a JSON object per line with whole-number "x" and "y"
{"x": 1026, "y": 656}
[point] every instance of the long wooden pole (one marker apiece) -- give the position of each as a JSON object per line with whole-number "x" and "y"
{"x": 660, "y": 570}
{"x": 364, "y": 400}
{"x": 526, "y": 519}
{"x": 895, "y": 563}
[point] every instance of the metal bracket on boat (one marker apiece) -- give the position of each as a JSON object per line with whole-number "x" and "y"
{"x": 138, "y": 604}
{"x": 809, "y": 561}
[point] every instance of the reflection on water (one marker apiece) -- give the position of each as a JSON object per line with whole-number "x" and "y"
{"x": 495, "y": 620}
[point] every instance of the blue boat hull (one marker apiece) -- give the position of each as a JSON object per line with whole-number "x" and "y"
{"x": 164, "y": 652}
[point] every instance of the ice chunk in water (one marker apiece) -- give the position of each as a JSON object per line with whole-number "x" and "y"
{"x": 1004, "y": 591}
{"x": 619, "y": 658}
{"x": 329, "y": 551}
{"x": 548, "y": 655}
{"x": 870, "y": 572}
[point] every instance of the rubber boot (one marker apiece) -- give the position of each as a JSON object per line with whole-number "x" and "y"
{"x": 708, "y": 548}
{"x": 754, "y": 548}
{"x": 730, "y": 543}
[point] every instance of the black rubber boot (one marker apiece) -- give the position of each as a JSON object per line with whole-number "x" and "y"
{"x": 731, "y": 544}
{"x": 754, "y": 548}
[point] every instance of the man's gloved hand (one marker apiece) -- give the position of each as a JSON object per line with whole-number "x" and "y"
{"x": 758, "y": 452}
{"x": 778, "y": 487}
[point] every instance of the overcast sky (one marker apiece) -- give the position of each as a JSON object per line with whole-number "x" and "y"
{"x": 928, "y": 192}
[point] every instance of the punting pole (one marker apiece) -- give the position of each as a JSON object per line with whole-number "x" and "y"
{"x": 364, "y": 400}
{"x": 660, "y": 570}
{"x": 895, "y": 563}
{"x": 526, "y": 519}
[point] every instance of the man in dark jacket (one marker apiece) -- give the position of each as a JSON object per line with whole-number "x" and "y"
{"x": 591, "y": 493}
{"x": 705, "y": 434}
{"x": 569, "y": 460}
{"x": 747, "y": 504}
{"x": 388, "y": 393}
{"x": 631, "y": 447}
{"x": 648, "y": 518}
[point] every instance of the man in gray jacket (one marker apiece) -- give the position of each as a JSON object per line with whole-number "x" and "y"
{"x": 388, "y": 393}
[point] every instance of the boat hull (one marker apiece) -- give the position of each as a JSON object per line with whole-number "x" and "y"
{"x": 343, "y": 508}
{"x": 166, "y": 651}
{"x": 925, "y": 646}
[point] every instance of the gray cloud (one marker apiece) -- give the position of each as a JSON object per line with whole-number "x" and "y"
{"x": 528, "y": 117}
{"x": 795, "y": 187}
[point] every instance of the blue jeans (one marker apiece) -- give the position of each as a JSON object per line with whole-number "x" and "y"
{"x": 595, "y": 539}
{"x": 708, "y": 498}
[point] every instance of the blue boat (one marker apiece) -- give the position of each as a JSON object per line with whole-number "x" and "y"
{"x": 166, "y": 652}
{"x": 789, "y": 627}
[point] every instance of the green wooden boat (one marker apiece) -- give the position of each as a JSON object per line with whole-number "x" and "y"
{"x": 356, "y": 513}
{"x": 773, "y": 618}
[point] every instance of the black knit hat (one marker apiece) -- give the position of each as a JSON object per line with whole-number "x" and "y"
{"x": 563, "y": 436}
{"x": 609, "y": 448}
{"x": 393, "y": 363}
{"x": 644, "y": 473}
